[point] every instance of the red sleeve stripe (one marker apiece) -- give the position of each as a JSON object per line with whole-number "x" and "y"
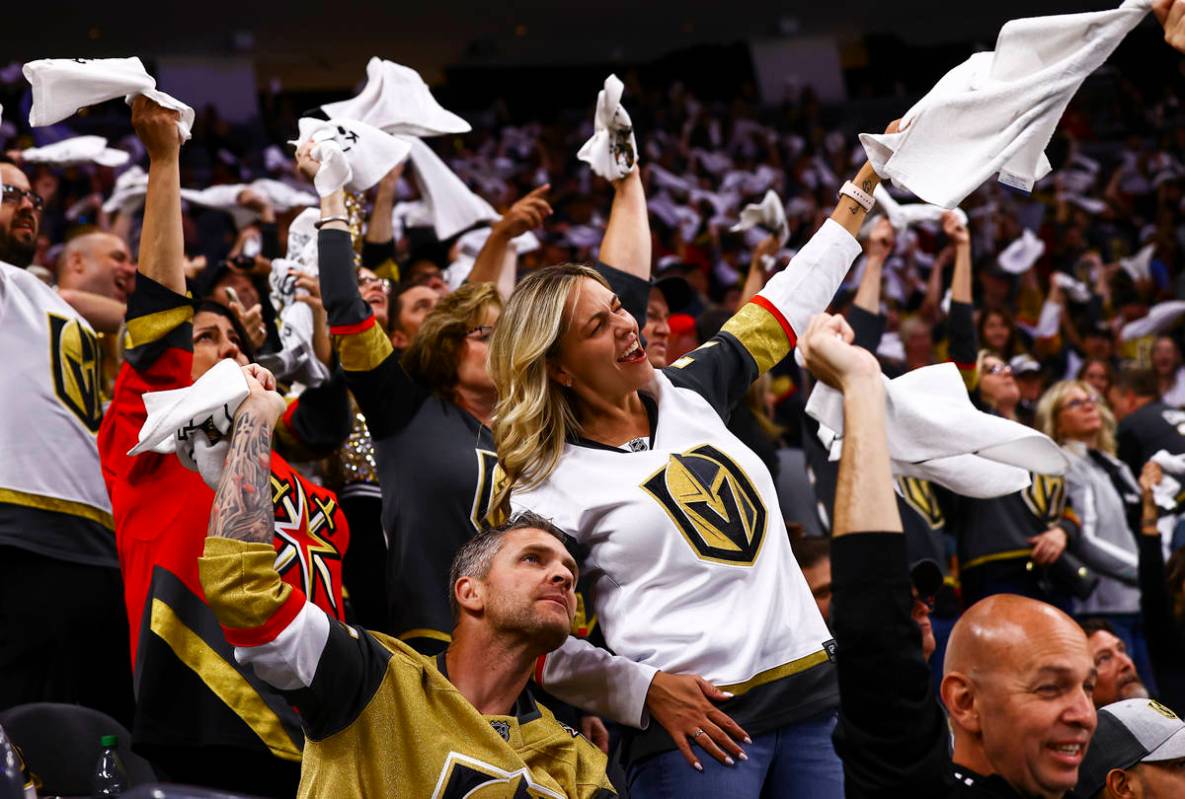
{"x": 349, "y": 330}
{"x": 290, "y": 412}
{"x": 267, "y": 632}
{"x": 540, "y": 662}
{"x": 964, "y": 367}
{"x": 776, "y": 314}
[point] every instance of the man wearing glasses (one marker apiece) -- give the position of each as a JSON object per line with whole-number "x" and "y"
{"x": 63, "y": 637}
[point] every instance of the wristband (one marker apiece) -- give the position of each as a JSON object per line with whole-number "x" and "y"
{"x": 320, "y": 222}
{"x": 862, "y": 198}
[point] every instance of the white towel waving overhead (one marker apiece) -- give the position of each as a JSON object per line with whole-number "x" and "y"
{"x": 1161, "y": 317}
{"x": 995, "y": 112}
{"x": 353, "y": 154}
{"x": 470, "y": 244}
{"x": 769, "y": 214}
{"x": 902, "y": 216}
{"x": 936, "y": 433}
{"x": 1075, "y": 290}
{"x": 226, "y": 198}
{"x": 129, "y": 192}
{"x": 76, "y": 150}
{"x": 1139, "y": 266}
{"x": 1019, "y": 256}
{"x": 396, "y": 100}
{"x": 612, "y": 152}
{"x": 452, "y": 206}
{"x": 61, "y": 86}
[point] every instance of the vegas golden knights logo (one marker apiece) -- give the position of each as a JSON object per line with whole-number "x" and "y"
{"x": 74, "y": 355}
{"x": 713, "y": 503}
{"x": 919, "y": 495}
{"x": 469, "y": 778}
{"x": 1046, "y": 497}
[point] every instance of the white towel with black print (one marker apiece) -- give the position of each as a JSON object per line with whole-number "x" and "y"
{"x": 396, "y": 100}
{"x": 935, "y": 433}
{"x": 61, "y": 86}
{"x": 612, "y": 152}
{"x": 995, "y": 113}
{"x": 76, "y": 150}
{"x": 296, "y": 361}
{"x": 451, "y": 205}
{"x": 353, "y": 154}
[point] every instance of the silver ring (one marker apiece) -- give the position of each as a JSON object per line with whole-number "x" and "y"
{"x": 698, "y": 733}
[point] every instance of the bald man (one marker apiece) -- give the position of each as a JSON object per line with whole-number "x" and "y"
{"x": 98, "y": 263}
{"x": 1018, "y": 674}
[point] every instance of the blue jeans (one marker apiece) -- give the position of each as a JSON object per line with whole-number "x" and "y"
{"x": 796, "y": 761}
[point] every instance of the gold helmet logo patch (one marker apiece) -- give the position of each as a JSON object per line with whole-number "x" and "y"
{"x": 74, "y": 354}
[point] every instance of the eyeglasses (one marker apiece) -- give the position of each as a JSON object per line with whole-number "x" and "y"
{"x": 1089, "y": 402}
{"x": 999, "y": 369}
{"x": 366, "y": 281}
{"x": 15, "y": 194}
{"x": 480, "y": 333}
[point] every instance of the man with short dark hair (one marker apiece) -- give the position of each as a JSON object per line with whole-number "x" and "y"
{"x": 1118, "y": 679}
{"x": 380, "y": 718}
{"x": 1146, "y": 424}
{"x": 1018, "y": 674}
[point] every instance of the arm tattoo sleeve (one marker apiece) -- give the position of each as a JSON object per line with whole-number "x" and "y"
{"x": 243, "y": 505}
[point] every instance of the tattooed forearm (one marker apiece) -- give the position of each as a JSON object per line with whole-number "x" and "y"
{"x": 243, "y": 505}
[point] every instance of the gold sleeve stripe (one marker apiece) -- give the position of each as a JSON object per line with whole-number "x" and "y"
{"x": 241, "y": 583}
{"x": 760, "y": 332}
{"x": 777, "y": 673}
{"x": 363, "y": 352}
{"x": 424, "y": 632}
{"x": 224, "y": 680}
{"x": 56, "y": 505}
{"x": 155, "y": 326}
{"x": 995, "y": 557}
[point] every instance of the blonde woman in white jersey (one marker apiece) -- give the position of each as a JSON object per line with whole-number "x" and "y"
{"x": 714, "y": 631}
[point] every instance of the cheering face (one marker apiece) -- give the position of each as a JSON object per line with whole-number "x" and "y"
{"x": 1166, "y": 358}
{"x": 375, "y": 292}
{"x": 530, "y": 590}
{"x": 20, "y": 217}
{"x": 601, "y": 356}
{"x": 1118, "y": 679}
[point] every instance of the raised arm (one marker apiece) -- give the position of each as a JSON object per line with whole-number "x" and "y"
{"x": 491, "y": 263}
{"x": 378, "y": 245}
{"x": 162, "y": 244}
{"x": 626, "y": 245}
{"x": 892, "y": 742}
{"x": 755, "y": 278}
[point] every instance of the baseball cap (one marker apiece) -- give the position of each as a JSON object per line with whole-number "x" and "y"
{"x": 1024, "y": 364}
{"x": 1130, "y": 732}
{"x": 926, "y": 576}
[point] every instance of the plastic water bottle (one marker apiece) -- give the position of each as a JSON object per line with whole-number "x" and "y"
{"x": 110, "y": 777}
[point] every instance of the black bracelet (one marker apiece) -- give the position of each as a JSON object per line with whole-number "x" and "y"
{"x": 320, "y": 222}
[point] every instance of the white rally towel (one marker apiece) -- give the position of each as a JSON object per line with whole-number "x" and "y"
{"x": 1075, "y": 290}
{"x": 469, "y": 246}
{"x": 1165, "y": 492}
{"x": 769, "y": 214}
{"x": 206, "y": 408}
{"x": 397, "y": 100}
{"x": 452, "y": 206}
{"x": 226, "y": 198}
{"x": 302, "y": 239}
{"x": 936, "y": 433}
{"x": 61, "y": 86}
{"x": 1161, "y": 317}
{"x": 297, "y": 359}
{"x": 1139, "y": 266}
{"x": 995, "y": 112}
{"x": 128, "y": 194}
{"x": 353, "y": 154}
{"x": 76, "y": 150}
{"x": 902, "y": 216}
{"x": 612, "y": 152}
{"x": 1019, "y": 256}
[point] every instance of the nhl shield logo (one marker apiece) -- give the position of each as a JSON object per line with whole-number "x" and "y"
{"x": 713, "y": 503}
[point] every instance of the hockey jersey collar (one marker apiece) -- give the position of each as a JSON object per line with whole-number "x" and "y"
{"x": 525, "y": 707}
{"x": 651, "y": 405}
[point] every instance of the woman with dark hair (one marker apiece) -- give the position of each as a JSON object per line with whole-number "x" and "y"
{"x": 996, "y": 331}
{"x": 1098, "y": 374}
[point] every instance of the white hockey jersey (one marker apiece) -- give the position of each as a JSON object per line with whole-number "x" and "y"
{"x": 684, "y": 546}
{"x": 52, "y": 497}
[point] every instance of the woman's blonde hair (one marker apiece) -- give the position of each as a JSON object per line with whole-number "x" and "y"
{"x": 432, "y": 357}
{"x": 534, "y": 416}
{"x": 1050, "y": 405}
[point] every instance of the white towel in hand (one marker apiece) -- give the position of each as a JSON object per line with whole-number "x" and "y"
{"x": 226, "y": 198}
{"x": 128, "y": 195}
{"x": 936, "y": 433}
{"x": 1019, "y": 256}
{"x": 995, "y": 112}
{"x": 1165, "y": 492}
{"x": 76, "y": 150}
{"x": 1139, "y": 266}
{"x": 451, "y": 204}
{"x": 612, "y": 152}
{"x": 297, "y": 359}
{"x": 396, "y": 100}
{"x": 61, "y": 86}
{"x": 1075, "y": 290}
{"x": 175, "y": 416}
{"x": 1161, "y": 317}
{"x": 353, "y": 154}
{"x": 902, "y": 216}
{"x": 769, "y": 214}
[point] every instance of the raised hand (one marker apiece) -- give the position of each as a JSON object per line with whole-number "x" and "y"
{"x": 157, "y": 128}
{"x": 830, "y": 356}
{"x": 306, "y": 164}
{"x": 955, "y": 230}
{"x": 1171, "y": 15}
{"x": 526, "y": 214}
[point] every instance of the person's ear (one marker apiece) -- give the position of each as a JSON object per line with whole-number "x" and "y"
{"x": 399, "y": 340}
{"x": 470, "y": 594}
{"x": 559, "y": 374}
{"x": 958, "y": 694}
{"x": 1119, "y": 785}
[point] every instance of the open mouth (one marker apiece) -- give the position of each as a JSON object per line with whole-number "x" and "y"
{"x": 1068, "y": 753}
{"x": 635, "y": 355}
